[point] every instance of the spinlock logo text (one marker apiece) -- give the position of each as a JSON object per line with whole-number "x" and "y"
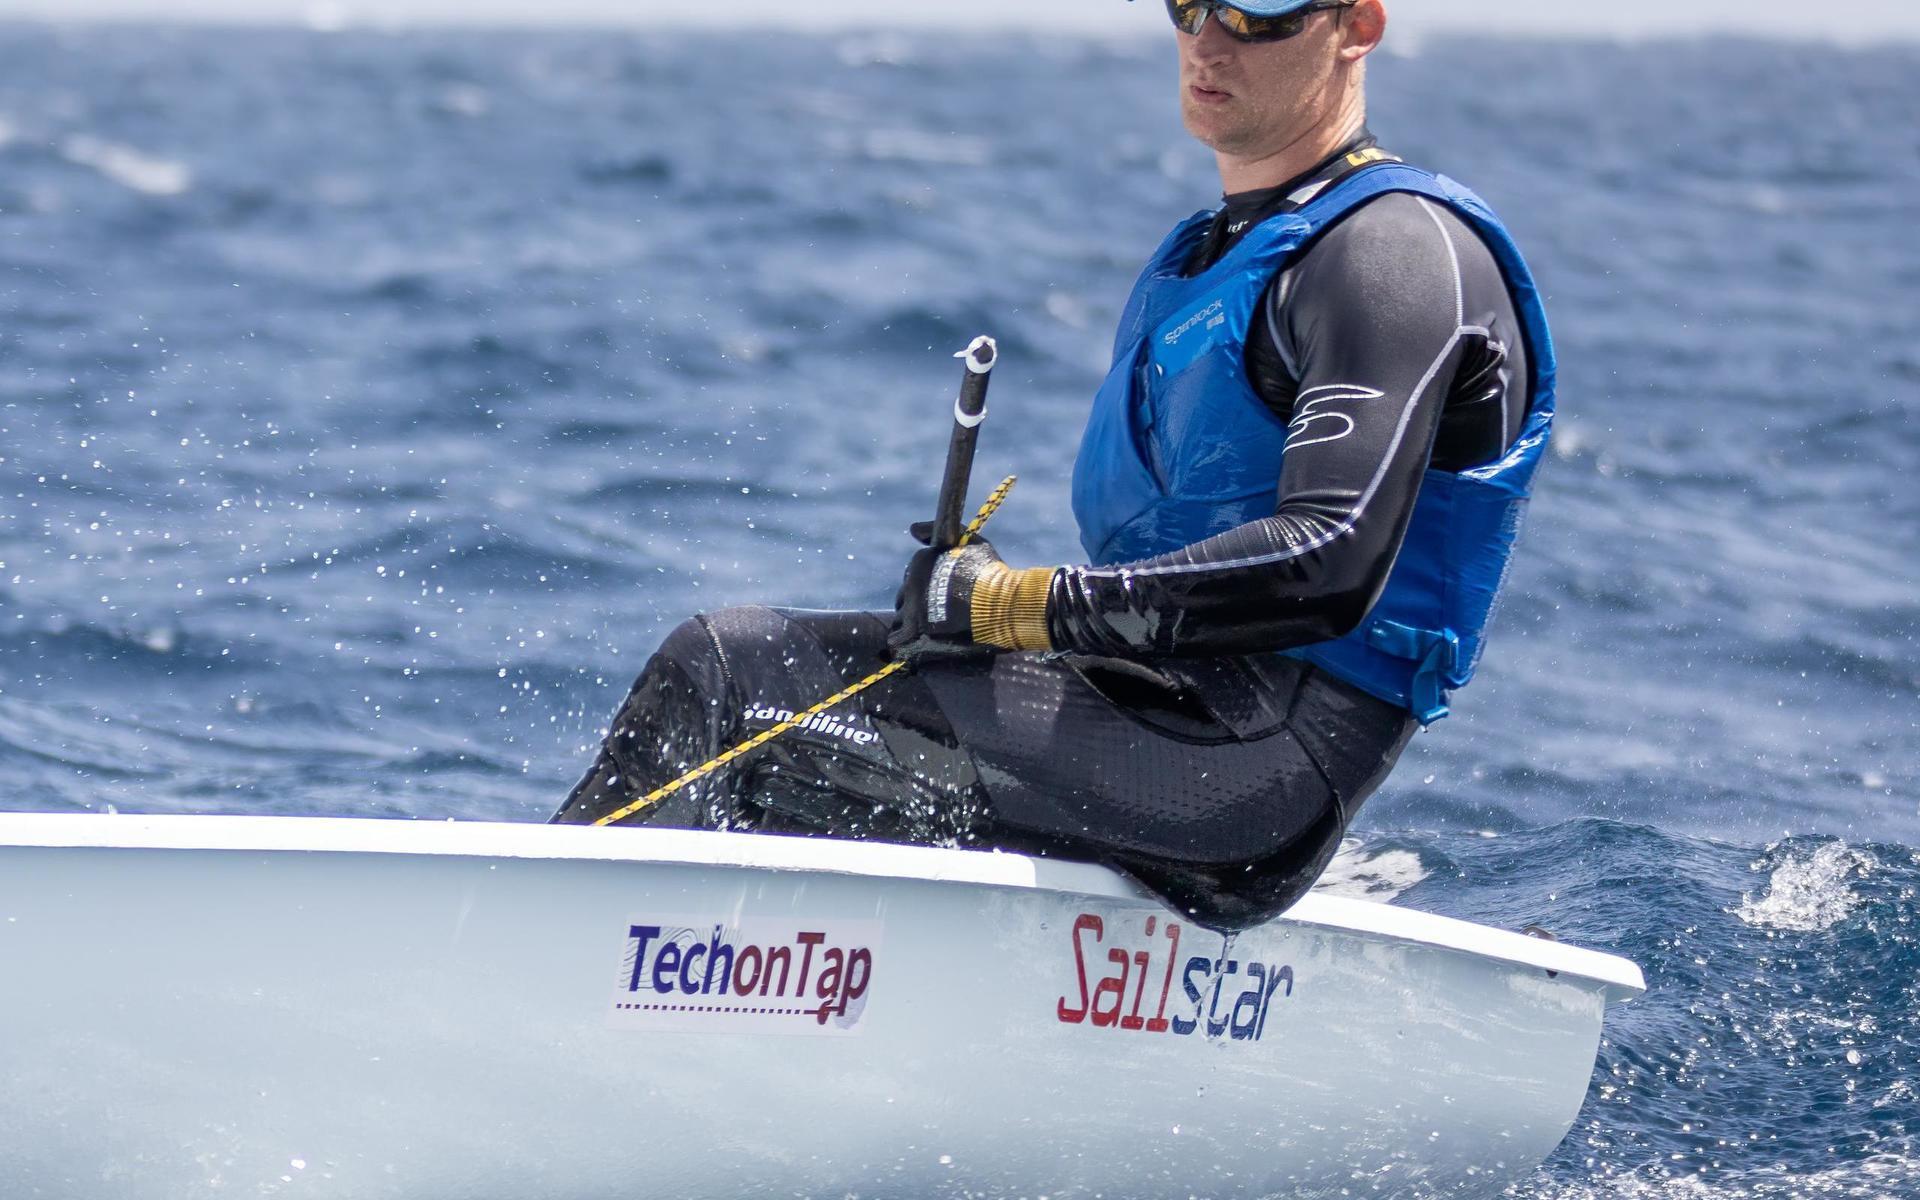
{"x": 1221, "y": 997}
{"x": 1212, "y": 316}
{"x": 751, "y": 977}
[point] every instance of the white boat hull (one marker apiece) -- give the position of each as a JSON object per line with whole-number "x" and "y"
{"x": 204, "y": 1006}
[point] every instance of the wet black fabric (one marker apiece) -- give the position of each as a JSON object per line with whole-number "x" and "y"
{"x": 1388, "y": 347}
{"x": 1224, "y": 784}
{"x": 887, "y": 767}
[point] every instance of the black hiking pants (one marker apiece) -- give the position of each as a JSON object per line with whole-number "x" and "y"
{"x": 1223, "y": 784}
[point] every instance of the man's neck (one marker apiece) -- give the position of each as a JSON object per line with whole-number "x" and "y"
{"x": 1296, "y": 158}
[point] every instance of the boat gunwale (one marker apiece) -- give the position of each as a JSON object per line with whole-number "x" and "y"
{"x": 1621, "y": 979}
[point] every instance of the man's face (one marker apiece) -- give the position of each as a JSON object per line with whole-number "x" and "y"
{"x": 1251, "y": 100}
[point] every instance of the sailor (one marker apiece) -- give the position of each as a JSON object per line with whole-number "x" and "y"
{"x": 1298, "y": 492}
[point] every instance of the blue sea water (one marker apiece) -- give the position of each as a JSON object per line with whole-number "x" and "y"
{"x": 371, "y": 403}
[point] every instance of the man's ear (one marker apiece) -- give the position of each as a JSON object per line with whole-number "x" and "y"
{"x": 1360, "y": 33}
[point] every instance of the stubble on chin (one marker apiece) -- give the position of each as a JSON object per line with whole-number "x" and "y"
{"x": 1212, "y": 128}
{"x": 1203, "y": 124}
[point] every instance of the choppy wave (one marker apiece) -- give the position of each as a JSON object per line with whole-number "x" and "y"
{"x": 371, "y": 403}
{"x": 1378, "y": 869}
{"x": 1882, "y": 1177}
{"x": 1809, "y": 893}
{"x": 1772, "y": 1054}
{"x": 141, "y": 172}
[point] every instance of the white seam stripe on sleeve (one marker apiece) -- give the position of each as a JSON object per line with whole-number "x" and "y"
{"x": 1453, "y": 256}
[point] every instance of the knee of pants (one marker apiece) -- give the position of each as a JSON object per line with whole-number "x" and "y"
{"x": 687, "y": 645}
{"x": 710, "y": 635}
{"x": 686, "y": 659}
{"x": 697, "y": 646}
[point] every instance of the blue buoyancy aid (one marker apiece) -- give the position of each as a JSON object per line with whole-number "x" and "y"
{"x": 1179, "y": 447}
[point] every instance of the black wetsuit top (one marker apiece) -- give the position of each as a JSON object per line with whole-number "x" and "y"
{"x": 1224, "y": 779}
{"x": 1402, "y": 299}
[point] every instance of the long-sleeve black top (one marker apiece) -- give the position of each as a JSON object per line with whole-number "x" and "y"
{"x": 1390, "y": 346}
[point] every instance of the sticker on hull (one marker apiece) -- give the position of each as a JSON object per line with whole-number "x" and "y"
{"x": 798, "y": 979}
{"x": 1143, "y": 983}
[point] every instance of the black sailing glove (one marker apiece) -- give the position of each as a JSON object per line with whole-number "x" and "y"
{"x": 933, "y": 611}
{"x": 967, "y": 604}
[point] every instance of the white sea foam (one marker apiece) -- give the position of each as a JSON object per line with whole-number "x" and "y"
{"x": 1880, "y": 1177}
{"x": 327, "y": 17}
{"x": 883, "y": 50}
{"x": 1572, "y": 438}
{"x": 1070, "y": 309}
{"x": 464, "y": 100}
{"x": 128, "y": 167}
{"x": 1809, "y": 893}
{"x": 913, "y": 146}
{"x": 1358, "y": 873}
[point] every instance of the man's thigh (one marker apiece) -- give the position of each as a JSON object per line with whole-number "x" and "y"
{"x": 1193, "y": 761}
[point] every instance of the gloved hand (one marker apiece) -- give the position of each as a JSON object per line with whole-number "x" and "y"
{"x": 933, "y": 611}
{"x": 967, "y": 603}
